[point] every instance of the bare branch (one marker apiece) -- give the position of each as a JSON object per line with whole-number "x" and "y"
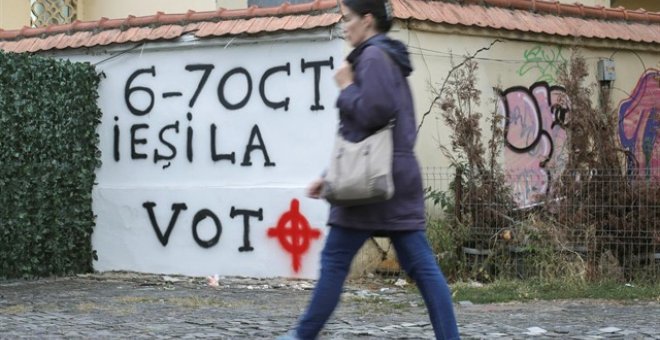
{"x": 442, "y": 88}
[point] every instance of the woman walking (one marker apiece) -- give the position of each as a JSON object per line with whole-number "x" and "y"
{"x": 375, "y": 91}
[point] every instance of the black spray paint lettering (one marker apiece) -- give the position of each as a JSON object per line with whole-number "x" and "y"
{"x": 199, "y": 216}
{"x": 215, "y": 156}
{"x": 223, "y": 83}
{"x": 129, "y": 90}
{"x": 246, "y": 224}
{"x": 135, "y": 141}
{"x": 255, "y": 142}
{"x": 176, "y": 208}
{"x": 115, "y": 138}
{"x": 252, "y": 147}
{"x": 316, "y": 65}
{"x": 157, "y": 155}
{"x": 132, "y": 88}
{"x": 262, "y": 87}
{"x": 189, "y": 139}
{"x": 207, "y": 69}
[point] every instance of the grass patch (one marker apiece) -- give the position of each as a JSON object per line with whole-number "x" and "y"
{"x": 376, "y": 305}
{"x": 504, "y": 291}
{"x": 87, "y": 307}
{"x": 91, "y": 307}
{"x": 137, "y": 299}
{"x": 197, "y": 302}
{"x": 192, "y": 302}
{"x": 15, "y": 309}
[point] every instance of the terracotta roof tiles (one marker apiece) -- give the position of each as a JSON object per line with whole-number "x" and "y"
{"x": 537, "y": 16}
{"x": 161, "y": 26}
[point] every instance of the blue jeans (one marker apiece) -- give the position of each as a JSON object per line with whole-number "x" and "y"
{"x": 416, "y": 258}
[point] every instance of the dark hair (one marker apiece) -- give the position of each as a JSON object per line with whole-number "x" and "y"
{"x": 379, "y": 9}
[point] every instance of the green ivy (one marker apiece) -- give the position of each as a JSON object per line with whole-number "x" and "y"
{"x": 48, "y": 157}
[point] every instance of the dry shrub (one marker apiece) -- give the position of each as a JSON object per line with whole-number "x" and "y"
{"x": 595, "y": 191}
{"x": 540, "y": 247}
{"x": 484, "y": 200}
{"x": 599, "y": 221}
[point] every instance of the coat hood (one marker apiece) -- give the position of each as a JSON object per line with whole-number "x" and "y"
{"x": 394, "y": 48}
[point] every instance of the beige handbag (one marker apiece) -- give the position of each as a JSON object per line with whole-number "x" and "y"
{"x": 360, "y": 173}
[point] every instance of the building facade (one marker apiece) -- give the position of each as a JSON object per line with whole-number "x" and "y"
{"x": 15, "y": 14}
{"x": 214, "y": 121}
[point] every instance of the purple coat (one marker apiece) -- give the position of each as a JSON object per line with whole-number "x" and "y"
{"x": 379, "y": 92}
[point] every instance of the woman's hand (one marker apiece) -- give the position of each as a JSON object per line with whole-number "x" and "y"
{"x": 314, "y": 188}
{"x": 344, "y": 75}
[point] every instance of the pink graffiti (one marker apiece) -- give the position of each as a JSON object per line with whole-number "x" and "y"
{"x": 534, "y": 138}
{"x": 639, "y": 126}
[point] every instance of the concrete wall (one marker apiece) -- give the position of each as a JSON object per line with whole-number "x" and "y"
{"x": 649, "y": 5}
{"x": 95, "y": 9}
{"x": 231, "y": 4}
{"x": 517, "y": 66}
{"x": 14, "y": 14}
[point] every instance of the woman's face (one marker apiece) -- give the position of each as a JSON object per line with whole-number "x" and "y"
{"x": 356, "y": 27}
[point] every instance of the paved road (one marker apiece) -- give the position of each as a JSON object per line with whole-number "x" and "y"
{"x": 128, "y": 305}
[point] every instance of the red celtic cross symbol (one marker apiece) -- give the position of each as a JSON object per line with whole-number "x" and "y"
{"x": 294, "y": 233}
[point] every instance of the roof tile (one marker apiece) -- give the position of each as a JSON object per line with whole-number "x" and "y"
{"x": 35, "y": 44}
{"x": 108, "y": 37}
{"x": 557, "y": 25}
{"x": 125, "y": 36}
{"x": 294, "y": 22}
{"x": 27, "y": 44}
{"x": 163, "y": 32}
{"x": 503, "y": 18}
{"x": 278, "y": 23}
{"x": 94, "y": 40}
{"x": 205, "y": 29}
{"x": 482, "y": 19}
{"x": 64, "y": 42}
{"x": 78, "y": 39}
{"x": 313, "y": 21}
{"x": 223, "y": 28}
{"x": 52, "y": 43}
{"x": 105, "y": 23}
{"x": 194, "y": 27}
{"x": 258, "y": 25}
{"x": 242, "y": 26}
{"x": 144, "y": 33}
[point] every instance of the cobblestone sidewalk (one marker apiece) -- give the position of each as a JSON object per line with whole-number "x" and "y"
{"x": 135, "y": 306}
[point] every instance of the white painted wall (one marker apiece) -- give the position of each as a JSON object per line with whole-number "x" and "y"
{"x": 132, "y": 183}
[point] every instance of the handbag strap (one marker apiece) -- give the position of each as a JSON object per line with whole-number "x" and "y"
{"x": 390, "y": 125}
{"x": 392, "y": 122}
